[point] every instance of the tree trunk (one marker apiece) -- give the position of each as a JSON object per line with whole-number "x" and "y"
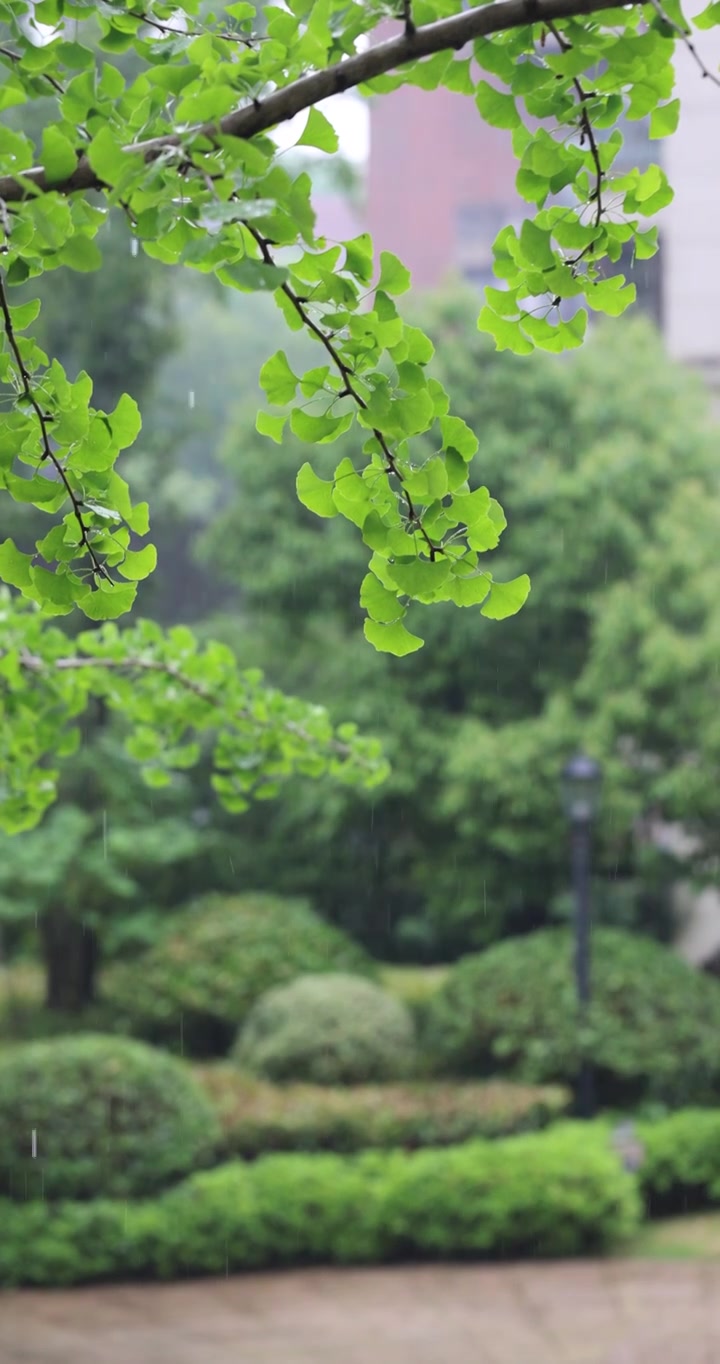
{"x": 70, "y": 953}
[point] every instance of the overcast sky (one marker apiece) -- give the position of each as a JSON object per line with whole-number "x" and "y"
{"x": 349, "y": 116}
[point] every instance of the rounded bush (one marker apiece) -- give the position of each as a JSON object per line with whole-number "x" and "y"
{"x": 652, "y": 1029}
{"x": 330, "y": 1030}
{"x": 110, "y": 1117}
{"x": 193, "y": 989}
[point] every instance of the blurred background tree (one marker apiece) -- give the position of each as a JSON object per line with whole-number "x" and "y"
{"x": 605, "y": 463}
{"x": 590, "y": 456}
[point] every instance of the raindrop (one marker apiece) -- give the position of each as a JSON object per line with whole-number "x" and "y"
{"x": 191, "y": 398}
{"x": 134, "y": 246}
{"x": 33, "y": 1143}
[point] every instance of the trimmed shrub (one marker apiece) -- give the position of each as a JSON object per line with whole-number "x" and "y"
{"x": 257, "y": 1118}
{"x": 329, "y": 1030}
{"x": 652, "y": 1031}
{"x": 681, "y": 1168}
{"x": 111, "y": 1117}
{"x": 556, "y": 1193}
{"x": 193, "y": 989}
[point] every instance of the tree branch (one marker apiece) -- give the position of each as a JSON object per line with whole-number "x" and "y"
{"x": 684, "y": 36}
{"x": 305, "y": 93}
{"x": 99, "y": 571}
{"x": 74, "y": 662}
{"x": 347, "y": 376}
{"x": 587, "y": 132}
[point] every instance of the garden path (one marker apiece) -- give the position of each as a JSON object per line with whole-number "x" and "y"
{"x": 609, "y": 1312}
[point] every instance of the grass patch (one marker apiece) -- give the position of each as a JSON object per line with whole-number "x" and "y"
{"x": 414, "y": 985}
{"x": 678, "y": 1238}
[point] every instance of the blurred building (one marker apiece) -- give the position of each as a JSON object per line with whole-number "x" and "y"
{"x": 441, "y": 184}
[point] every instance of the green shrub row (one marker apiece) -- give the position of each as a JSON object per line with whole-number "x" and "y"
{"x": 257, "y": 1118}
{"x": 652, "y": 1030}
{"x": 681, "y": 1166}
{"x": 540, "y": 1195}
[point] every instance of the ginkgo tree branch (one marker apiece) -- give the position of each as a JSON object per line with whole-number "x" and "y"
{"x": 444, "y": 35}
{"x": 33, "y": 664}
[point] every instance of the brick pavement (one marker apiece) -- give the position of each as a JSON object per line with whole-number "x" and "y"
{"x": 609, "y": 1312}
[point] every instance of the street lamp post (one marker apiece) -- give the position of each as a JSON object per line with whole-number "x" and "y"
{"x": 581, "y": 791}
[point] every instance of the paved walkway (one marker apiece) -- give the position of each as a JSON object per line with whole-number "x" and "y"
{"x": 616, "y": 1312}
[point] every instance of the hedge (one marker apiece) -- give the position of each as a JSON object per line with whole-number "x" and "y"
{"x": 542, "y": 1195}
{"x": 653, "y": 1025}
{"x": 193, "y": 989}
{"x": 111, "y": 1116}
{"x": 681, "y": 1167}
{"x": 258, "y": 1118}
{"x": 333, "y": 1029}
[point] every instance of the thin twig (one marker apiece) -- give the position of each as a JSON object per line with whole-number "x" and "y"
{"x": 347, "y": 376}
{"x": 410, "y": 27}
{"x": 587, "y": 130}
{"x": 45, "y": 75}
{"x": 48, "y": 453}
{"x": 450, "y": 34}
{"x": 78, "y": 662}
{"x": 683, "y": 34}
{"x": 225, "y": 34}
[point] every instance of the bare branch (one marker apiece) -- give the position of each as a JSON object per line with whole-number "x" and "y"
{"x": 258, "y": 116}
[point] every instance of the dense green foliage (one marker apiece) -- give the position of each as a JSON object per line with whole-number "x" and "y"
{"x": 681, "y": 1166}
{"x": 467, "y": 839}
{"x": 258, "y": 1118}
{"x": 112, "y": 1118}
{"x": 651, "y": 1031}
{"x": 541, "y": 1195}
{"x": 194, "y": 988}
{"x": 167, "y": 113}
{"x": 329, "y": 1030}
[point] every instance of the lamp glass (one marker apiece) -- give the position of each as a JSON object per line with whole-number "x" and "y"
{"x": 581, "y": 780}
